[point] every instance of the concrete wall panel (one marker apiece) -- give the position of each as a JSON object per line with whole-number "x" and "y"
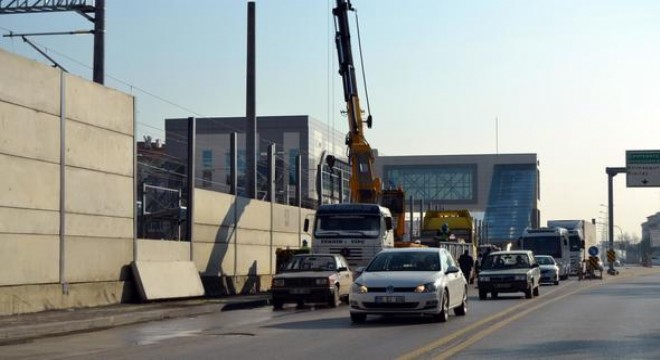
{"x": 30, "y": 84}
{"x": 98, "y": 226}
{"x": 97, "y": 105}
{"x": 27, "y": 221}
{"x": 92, "y": 192}
{"x": 29, "y": 133}
{"x": 213, "y": 234}
{"x": 98, "y": 149}
{"x": 253, "y": 237}
{"x": 214, "y": 208}
{"x": 162, "y": 250}
{"x": 32, "y": 184}
{"x": 167, "y": 279}
{"x": 284, "y": 240}
{"x": 33, "y": 298}
{"x": 285, "y": 218}
{"x": 253, "y": 214}
{"x": 29, "y": 259}
{"x": 96, "y": 259}
{"x": 214, "y": 259}
{"x": 253, "y": 260}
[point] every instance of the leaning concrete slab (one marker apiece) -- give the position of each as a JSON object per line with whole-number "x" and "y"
{"x": 167, "y": 279}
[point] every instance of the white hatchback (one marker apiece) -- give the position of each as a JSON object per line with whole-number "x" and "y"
{"x": 415, "y": 281}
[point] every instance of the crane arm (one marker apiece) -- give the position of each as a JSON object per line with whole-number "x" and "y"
{"x": 365, "y": 186}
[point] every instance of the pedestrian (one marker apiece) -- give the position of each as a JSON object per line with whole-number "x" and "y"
{"x": 466, "y": 262}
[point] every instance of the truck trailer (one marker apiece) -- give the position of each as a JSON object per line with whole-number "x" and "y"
{"x": 581, "y": 235}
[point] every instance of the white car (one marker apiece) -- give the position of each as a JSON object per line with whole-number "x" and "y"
{"x": 549, "y": 269}
{"x": 415, "y": 281}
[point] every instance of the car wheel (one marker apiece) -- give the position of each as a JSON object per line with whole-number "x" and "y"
{"x": 277, "y": 304}
{"x": 463, "y": 307}
{"x": 536, "y": 291}
{"x": 528, "y": 292}
{"x": 334, "y": 298}
{"x": 444, "y": 311}
{"x": 482, "y": 295}
{"x": 357, "y": 318}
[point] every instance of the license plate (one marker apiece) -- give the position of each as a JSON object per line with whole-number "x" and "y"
{"x": 502, "y": 286}
{"x": 300, "y": 291}
{"x": 389, "y": 299}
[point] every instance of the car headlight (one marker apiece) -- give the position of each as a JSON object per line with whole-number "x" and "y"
{"x": 484, "y": 278}
{"x": 323, "y": 281}
{"x": 278, "y": 282}
{"x": 520, "y": 277}
{"x": 359, "y": 289}
{"x": 424, "y": 288}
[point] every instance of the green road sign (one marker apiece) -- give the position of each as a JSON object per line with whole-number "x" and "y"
{"x": 643, "y": 168}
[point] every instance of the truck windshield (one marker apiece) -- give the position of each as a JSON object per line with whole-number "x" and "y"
{"x": 574, "y": 242}
{"x": 543, "y": 245}
{"x": 338, "y": 225}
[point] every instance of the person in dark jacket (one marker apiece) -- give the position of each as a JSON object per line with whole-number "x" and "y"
{"x": 466, "y": 262}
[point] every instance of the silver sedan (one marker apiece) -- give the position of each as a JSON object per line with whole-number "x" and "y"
{"x": 415, "y": 281}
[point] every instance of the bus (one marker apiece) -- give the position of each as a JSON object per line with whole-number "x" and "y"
{"x": 549, "y": 241}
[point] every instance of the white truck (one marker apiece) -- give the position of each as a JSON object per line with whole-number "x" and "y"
{"x": 356, "y": 231}
{"x": 581, "y": 236}
{"x": 549, "y": 241}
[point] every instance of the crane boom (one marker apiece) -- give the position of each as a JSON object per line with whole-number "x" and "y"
{"x": 365, "y": 186}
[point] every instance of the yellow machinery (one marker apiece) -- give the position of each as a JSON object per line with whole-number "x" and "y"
{"x": 366, "y": 187}
{"x": 452, "y": 229}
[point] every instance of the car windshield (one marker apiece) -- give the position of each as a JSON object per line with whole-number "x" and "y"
{"x": 545, "y": 260}
{"x": 505, "y": 261}
{"x": 311, "y": 263}
{"x": 405, "y": 261}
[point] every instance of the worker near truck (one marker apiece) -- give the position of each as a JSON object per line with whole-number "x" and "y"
{"x": 466, "y": 262}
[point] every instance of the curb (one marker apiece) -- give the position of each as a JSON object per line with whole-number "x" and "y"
{"x": 25, "y": 333}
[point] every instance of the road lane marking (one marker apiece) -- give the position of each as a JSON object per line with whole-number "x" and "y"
{"x": 442, "y": 341}
{"x": 489, "y": 330}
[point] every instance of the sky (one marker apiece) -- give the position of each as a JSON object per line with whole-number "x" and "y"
{"x": 576, "y": 82}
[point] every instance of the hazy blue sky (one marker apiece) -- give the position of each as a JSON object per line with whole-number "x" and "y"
{"x": 576, "y": 82}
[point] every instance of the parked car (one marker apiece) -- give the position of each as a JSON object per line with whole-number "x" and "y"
{"x": 508, "y": 272}
{"x": 549, "y": 269}
{"x": 312, "y": 278}
{"x": 409, "y": 281}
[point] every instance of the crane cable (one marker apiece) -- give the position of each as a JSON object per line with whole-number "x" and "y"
{"x": 364, "y": 76}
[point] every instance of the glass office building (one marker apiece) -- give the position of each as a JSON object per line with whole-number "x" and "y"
{"x": 500, "y": 190}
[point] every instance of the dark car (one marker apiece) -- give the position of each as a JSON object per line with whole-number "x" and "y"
{"x": 509, "y": 272}
{"x": 312, "y": 278}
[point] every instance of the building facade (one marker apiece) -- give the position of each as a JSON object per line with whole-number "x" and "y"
{"x": 292, "y": 135}
{"x": 501, "y": 190}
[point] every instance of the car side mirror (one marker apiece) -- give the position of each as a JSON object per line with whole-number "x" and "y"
{"x": 358, "y": 271}
{"x": 452, "y": 270}
{"x": 306, "y": 225}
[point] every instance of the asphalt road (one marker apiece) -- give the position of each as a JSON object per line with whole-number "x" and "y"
{"x": 587, "y": 319}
